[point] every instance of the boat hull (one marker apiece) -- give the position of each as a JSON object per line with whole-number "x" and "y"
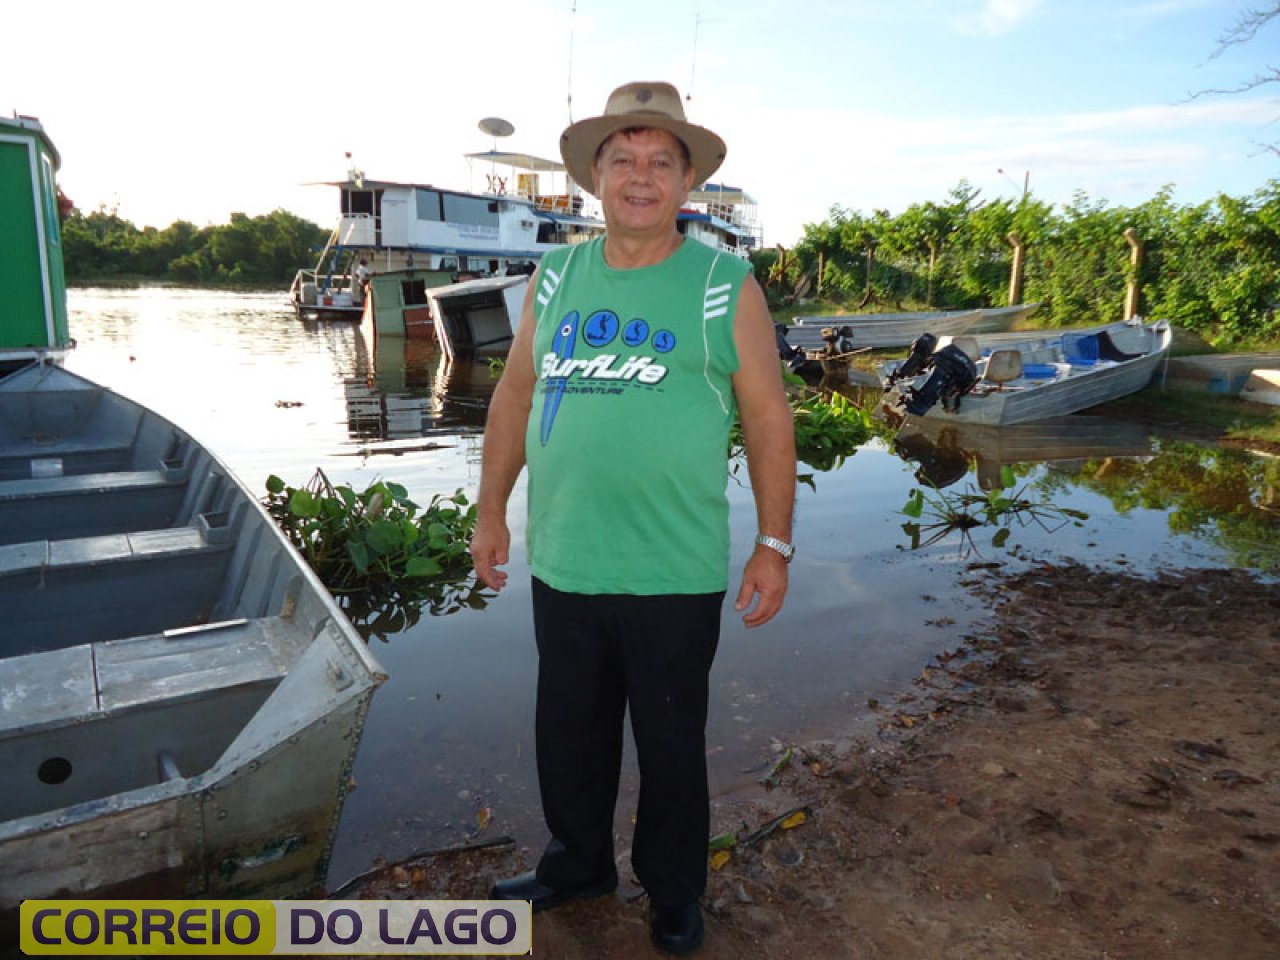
{"x": 876, "y": 331}
{"x": 1027, "y": 401}
{"x": 182, "y": 699}
{"x": 352, "y": 314}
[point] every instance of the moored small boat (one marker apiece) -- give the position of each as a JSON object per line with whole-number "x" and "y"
{"x": 883, "y": 330}
{"x": 180, "y": 697}
{"x": 1026, "y": 377}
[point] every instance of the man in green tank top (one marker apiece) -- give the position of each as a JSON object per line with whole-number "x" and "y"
{"x": 633, "y": 354}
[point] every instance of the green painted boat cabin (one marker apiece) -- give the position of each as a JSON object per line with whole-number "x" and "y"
{"x": 33, "y": 308}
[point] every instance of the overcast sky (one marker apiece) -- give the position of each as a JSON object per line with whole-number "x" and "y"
{"x": 183, "y": 111}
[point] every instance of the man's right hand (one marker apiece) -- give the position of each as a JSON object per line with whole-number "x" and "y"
{"x": 490, "y": 549}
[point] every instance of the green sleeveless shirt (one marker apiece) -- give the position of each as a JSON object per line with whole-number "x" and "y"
{"x": 628, "y": 436}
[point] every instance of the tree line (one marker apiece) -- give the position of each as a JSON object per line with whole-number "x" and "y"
{"x": 249, "y": 251}
{"x": 1212, "y": 267}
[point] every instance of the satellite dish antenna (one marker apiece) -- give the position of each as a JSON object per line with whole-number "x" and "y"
{"x": 496, "y": 127}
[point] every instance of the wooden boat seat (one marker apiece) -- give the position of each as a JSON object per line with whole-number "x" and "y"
{"x": 91, "y": 680}
{"x": 1002, "y": 367}
{"x": 89, "y": 504}
{"x": 94, "y": 719}
{"x": 97, "y": 483}
{"x": 53, "y": 555}
{"x": 61, "y": 593}
{"x": 192, "y": 661}
{"x": 74, "y": 455}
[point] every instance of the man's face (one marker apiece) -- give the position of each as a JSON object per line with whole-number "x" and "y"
{"x": 642, "y": 180}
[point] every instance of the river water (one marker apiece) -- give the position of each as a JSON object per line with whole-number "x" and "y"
{"x": 449, "y": 739}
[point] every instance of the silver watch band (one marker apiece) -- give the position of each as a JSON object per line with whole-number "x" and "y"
{"x": 788, "y": 550}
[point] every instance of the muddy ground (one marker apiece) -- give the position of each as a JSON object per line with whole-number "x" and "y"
{"x": 1097, "y": 774}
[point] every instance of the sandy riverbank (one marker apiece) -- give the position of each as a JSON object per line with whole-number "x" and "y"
{"x": 1097, "y": 775}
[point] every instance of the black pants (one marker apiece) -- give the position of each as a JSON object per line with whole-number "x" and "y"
{"x": 597, "y": 656}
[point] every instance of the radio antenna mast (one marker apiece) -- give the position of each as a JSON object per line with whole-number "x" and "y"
{"x": 698, "y": 21}
{"x": 573, "y": 12}
{"x": 693, "y": 63}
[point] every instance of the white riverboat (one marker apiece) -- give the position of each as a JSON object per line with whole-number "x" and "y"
{"x": 419, "y": 236}
{"x": 394, "y": 242}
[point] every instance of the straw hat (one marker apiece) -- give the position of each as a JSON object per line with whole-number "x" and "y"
{"x": 643, "y": 104}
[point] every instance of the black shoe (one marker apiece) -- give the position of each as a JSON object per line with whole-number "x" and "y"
{"x": 676, "y": 929}
{"x": 542, "y": 897}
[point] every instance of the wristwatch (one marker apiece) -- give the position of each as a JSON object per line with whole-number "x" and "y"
{"x": 788, "y": 550}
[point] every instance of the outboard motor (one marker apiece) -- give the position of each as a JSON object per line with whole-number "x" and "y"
{"x": 791, "y": 355}
{"x": 954, "y": 375}
{"x": 836, "y": 342}
{"x": 918, "y": 360}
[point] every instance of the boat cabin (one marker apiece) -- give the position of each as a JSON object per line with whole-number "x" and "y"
{"x": 430, "y": 236}
{"x": 34, "y": 321}
{"x": 722, "y": 217}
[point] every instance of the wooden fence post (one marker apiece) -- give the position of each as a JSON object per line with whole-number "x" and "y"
{"x": 1132, "y": 293}
{"x": 1015, "y": 269}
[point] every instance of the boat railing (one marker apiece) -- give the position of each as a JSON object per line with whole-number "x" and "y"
{"x": 733, "y": 217}
{"x": 557, "y": 203}
{"x": 725, "y": 211}
{"x": 737, "y": 215}
{"x": 737, "y": 251}
{"x": 311, "y": 285}
{"x": 353, "y": 230}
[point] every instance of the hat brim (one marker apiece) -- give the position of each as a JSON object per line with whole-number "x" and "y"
{"x": 581, "y": 141}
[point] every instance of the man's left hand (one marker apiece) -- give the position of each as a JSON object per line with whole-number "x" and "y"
{"x": 764, "y": 579}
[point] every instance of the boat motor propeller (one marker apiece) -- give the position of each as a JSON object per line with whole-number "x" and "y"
{"x": 954, "y": 375}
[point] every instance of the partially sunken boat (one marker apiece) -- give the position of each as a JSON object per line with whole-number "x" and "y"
{"x": 180, "y": 697}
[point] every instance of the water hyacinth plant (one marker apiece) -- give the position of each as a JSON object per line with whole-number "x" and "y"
{"x": 829, "y": 428}
{"x": 383, "y": 557}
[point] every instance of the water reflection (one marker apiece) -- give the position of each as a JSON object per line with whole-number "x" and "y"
{"x": 947, "y": 452}
{"x": 451, "y": 732}
{"x": 1226, "y": 496}
{"x": 393, "y": 612}
{"x": 402, "y": 391}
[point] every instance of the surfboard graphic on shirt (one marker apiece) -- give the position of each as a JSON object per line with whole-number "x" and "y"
{"x": 562, "y": 346}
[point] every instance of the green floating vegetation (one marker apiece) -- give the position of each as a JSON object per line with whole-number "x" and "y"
{"x": 829, "y": 428}
{"x": 964, "y": 511}
{"x": 383, "y": 557}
